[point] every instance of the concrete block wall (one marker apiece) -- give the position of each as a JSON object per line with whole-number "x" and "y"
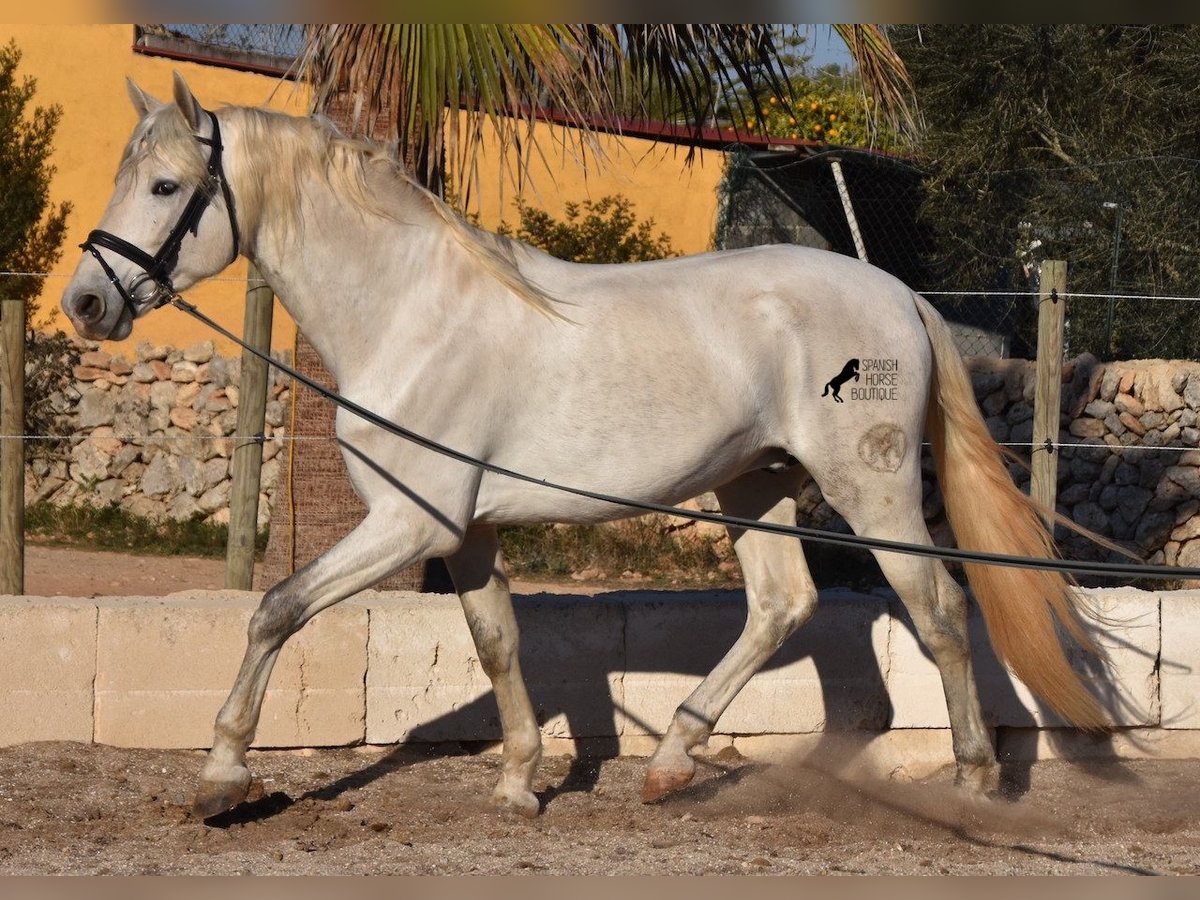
{"x": 610, "y": 670}
{"x": 165, "y": 665}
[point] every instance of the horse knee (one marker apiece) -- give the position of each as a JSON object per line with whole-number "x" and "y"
{"x": 801, "y": 610}
{"x": 277, "y": 617}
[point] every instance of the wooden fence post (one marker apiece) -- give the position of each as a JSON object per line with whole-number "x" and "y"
{"x": 12, "y": 447}
{"x": 1047, "y": 400}
{"x": 251, "y": 419}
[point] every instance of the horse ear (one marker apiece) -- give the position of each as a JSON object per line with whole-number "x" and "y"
{"x": 142, "y": 102}
{"x": 192, "y": 111}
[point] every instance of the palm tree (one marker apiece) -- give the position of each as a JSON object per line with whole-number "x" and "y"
{"x": 430, "y": 90}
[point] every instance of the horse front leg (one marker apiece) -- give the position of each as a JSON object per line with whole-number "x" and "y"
{"x": 371, "y": 552}
{"x": 478, "y": 572}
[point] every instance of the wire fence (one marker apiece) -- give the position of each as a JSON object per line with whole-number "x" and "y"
{"x": 1124, "y": 471}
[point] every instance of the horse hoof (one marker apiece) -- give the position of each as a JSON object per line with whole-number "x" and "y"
{"x": 659, "y": 783}
{"x": 976, "y": 781}
{"x": 524, "y": 804}
{"x": 215, "y": 797}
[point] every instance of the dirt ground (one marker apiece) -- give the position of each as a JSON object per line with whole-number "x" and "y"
{"x": 92, "y": 809}
{"x": 70, "y": 572}
{"x": 89, "y": 809}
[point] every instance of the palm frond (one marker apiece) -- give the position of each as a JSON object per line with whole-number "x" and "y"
{"x": 884, "y": 78}
{"x": 431, "y": 88}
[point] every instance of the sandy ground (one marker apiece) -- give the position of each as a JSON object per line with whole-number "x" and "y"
{"x": 70, "y": 572}
{"x": 90, "y": 809}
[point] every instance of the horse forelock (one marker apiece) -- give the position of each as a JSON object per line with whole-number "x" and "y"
{"x": 165, "y": 137}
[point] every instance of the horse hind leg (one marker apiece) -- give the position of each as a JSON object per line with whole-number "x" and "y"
{"x": 780, "y": 597}
{"x": 938, "y": 608}
{"x": 478, "y": 573}
{"x": 889, "y": 507}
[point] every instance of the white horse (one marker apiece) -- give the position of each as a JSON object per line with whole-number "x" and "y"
{"x": 654, "y": 381}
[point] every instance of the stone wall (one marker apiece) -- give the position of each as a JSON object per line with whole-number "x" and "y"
{"x": 158, "y": 434}
{"x": 155, "y": 434}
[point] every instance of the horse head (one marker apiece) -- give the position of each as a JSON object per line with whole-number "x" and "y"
{"x": 155, "y": 237}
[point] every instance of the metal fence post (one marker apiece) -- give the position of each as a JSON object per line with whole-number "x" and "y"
{"x": 12, "y": 448}
{"x": 1047, "y": 400}
{"x": 251, "y": 419}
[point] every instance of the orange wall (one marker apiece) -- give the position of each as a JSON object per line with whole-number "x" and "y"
{"x": 82, "y": 68}
{"x": 680, "y": 198}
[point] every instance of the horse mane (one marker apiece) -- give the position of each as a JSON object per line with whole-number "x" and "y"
{"x": 314, "y": 147}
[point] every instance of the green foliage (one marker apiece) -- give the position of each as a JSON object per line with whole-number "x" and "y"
{"x": 48, "y": 362}
{"x": 31, "y": 231}
{"x": 112, "y": 528}
{"x": 817, "y": 111}
{"x": 604, "y": 231}
{"x": 828, "y": 105}
{"x": 1083, "y": 137}
{"x": 31, "y": 235}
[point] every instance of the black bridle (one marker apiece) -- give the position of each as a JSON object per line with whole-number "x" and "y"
{"x": 158, "y": 268}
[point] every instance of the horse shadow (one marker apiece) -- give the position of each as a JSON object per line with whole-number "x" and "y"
{"x": 575, "y": 685}
{"x": 594, "y": 693}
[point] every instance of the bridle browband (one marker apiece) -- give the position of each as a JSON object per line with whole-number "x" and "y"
{"x": 158, "y": 268}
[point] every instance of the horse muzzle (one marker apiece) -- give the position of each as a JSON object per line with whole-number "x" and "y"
{"x": 97, "y": 316}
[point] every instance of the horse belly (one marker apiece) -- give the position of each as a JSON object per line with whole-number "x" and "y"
{"x": 662, "y": 474}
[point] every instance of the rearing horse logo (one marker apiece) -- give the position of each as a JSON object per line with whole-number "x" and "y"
{"x": 849, "y": 370}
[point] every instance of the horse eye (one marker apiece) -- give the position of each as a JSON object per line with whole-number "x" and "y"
{"x": 164, "y": 188}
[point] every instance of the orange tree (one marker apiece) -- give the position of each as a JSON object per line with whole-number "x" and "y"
{"x": 826, "y": 110}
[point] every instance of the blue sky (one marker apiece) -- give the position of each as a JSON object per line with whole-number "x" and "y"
{"x": 826, "y": 47}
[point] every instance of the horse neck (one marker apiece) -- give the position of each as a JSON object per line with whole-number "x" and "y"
{"x": 345, "y": 275}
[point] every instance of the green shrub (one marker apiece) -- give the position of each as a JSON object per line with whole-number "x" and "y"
{"x": 603, "y": 231}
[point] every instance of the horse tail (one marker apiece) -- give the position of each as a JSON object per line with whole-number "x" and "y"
{"x": 826, "y": 391}
{"x": 1022, "y": 608}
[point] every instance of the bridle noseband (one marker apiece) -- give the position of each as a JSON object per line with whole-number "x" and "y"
{"x": 158, "y": 268}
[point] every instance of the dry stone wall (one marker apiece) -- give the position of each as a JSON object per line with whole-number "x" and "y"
{"x": 155, "y": 434}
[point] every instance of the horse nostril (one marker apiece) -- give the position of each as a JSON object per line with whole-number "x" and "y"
{"x": 89, "y": 308}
